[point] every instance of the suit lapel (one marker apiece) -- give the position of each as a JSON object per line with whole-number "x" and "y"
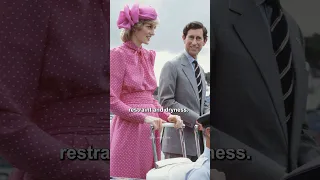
{"x": 188, "y": 71}
{"x": 301, "y": 75}
{"x": 204, "y": 90}
{"x": 252, "y": 31}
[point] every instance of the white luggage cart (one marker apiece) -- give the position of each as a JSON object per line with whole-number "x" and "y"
{"x": 174, "y": 168}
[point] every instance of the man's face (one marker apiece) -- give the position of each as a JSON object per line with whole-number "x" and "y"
{"x": 194, "y": 41}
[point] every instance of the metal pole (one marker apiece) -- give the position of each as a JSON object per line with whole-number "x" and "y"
{"x": 183, "y": 144}
{"x": 196, "y": 136}
{"x": 154, "y": 146}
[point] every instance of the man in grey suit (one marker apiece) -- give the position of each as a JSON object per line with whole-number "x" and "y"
{"x": 182, "y": 88}
{"x": 259, "y": 89}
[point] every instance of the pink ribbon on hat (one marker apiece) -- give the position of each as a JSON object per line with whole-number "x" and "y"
{"x": 128, "y": 17}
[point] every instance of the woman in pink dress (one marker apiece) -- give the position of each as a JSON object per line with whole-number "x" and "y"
{"x": 132, "y": 83}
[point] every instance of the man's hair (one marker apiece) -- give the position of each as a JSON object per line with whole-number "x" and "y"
{"x": 196, "y": 25}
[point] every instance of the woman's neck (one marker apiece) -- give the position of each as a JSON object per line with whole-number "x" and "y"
{"x": 136, "y": 42}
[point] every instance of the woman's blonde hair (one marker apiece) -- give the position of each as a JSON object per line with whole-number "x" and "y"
{"x": 126, "y": 34}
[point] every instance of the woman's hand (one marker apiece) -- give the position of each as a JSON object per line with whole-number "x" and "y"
{"x": 178, "y": 123}
{"x": 155, "y": 121}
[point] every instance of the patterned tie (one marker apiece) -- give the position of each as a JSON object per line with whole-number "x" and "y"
{"x": 198, "y": 77}
{"x": 199, "y": 84}
{"x": 282, "y": 49}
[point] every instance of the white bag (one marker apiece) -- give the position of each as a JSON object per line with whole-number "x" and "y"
{"x": 174, "y": 168}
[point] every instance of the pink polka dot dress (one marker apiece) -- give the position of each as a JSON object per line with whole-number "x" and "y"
{"x": 132, "y": 83}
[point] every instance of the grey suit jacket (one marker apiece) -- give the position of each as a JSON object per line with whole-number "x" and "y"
{"x": 178, "y": 90}
{"x": 247, "y": 107}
